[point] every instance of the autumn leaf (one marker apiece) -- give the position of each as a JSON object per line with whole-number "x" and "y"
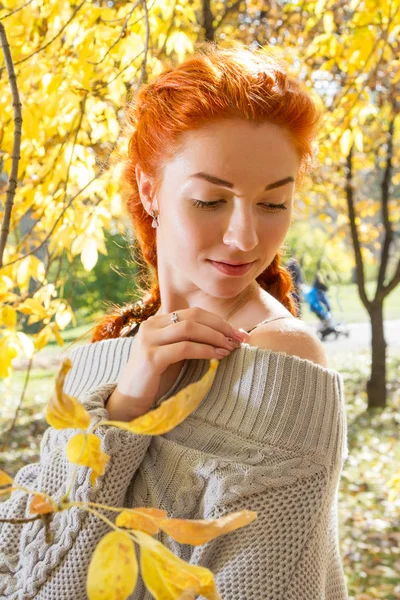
{"x": 84, "y": 449}
{"x": 40, "y": 505}
{"x": 174, "y": 410}
{"x": 167, "y": 577}
{"x": 65, "y": 411}
{"x": 5, "y": 479}
{"x": 113, "y": 569}
{"x": 142, "y": 519}
{"x": 199, "y": 532}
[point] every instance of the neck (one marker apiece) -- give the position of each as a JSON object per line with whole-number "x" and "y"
{"x": 224, "y": 307}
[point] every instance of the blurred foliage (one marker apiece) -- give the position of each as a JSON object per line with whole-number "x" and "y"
{"x": 112, "y": 279}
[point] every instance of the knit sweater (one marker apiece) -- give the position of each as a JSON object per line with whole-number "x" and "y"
{"x": 270, "y": 436}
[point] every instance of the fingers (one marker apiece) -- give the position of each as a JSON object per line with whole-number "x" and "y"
{"x": 203, "y": 317}
{"x": 193, "y": 331}
{"x": 187, "y": 350}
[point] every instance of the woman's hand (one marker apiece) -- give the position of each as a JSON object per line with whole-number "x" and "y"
{"x": 158, "y": 351}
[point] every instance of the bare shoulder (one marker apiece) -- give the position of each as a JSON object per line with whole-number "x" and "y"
{"x": 291, "y": 336}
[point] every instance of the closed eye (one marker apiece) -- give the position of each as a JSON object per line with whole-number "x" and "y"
{"x": 211, "y": 205}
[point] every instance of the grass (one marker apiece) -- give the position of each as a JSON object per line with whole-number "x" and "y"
{"x": 347, "y": 306}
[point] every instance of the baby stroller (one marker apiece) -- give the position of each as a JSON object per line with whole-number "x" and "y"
{"x": 319, "y": 304}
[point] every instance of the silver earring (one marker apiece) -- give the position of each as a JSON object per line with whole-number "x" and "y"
{"x": 155, "y": 220}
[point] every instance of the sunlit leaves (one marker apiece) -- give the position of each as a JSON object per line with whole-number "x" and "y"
{"x": 202, "y": 531}
{"x": 184, "y": 531}
{"x": 64, "y": 410}
{"x": 113, "y": 569}
{"x": 142, "y": 519}
{"x": 174, "y": 410}
{"x": 166, "y": 576}
{"x": 5, "y": 479}
{"x": 84, "y": 449}
{"x": 5, "y": 483}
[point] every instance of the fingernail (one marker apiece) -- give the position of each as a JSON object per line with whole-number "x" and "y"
{"x": 241, "y": 334}
{"x": 233, "y": 343}
{"x": 222, "y": 351}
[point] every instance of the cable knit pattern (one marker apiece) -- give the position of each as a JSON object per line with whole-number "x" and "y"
{"x": 269, "y": 436}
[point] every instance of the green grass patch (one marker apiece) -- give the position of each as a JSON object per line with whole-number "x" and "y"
{"x": 347, "y": 306}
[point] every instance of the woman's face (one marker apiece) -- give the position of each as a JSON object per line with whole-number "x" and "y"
{"x": 227, "y": 197}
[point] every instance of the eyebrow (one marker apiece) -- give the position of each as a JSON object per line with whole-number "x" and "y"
{"x": 228, "y": 184}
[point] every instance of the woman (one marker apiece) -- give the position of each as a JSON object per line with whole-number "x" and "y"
{"x": 216, "y": 148}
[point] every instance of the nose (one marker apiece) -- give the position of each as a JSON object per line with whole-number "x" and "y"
{"x": 241, "y": 230}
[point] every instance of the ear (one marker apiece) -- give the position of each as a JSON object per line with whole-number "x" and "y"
{"x": 146, "y": 190}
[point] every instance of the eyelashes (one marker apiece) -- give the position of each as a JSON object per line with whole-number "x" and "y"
{"x": 214, "y": 204}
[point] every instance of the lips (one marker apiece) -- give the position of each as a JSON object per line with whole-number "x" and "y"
{"x": 229, "y": 269}
{"x": 232, "y": 264}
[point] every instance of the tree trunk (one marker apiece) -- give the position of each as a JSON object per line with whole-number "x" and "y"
{"x": 207, "y": 21}
{"x": 376, "y": 385}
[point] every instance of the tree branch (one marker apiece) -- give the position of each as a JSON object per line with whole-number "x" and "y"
{"x": 15, "y": 156}
{"x": 143, "y": 74}
{"x": 207, "y": 19}
{"x": 354, "y": 232}
{"x": 226, "y": 12}
{"x": 387, "y": 177}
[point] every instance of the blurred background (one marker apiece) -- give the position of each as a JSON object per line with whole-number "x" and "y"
{"x": 67, "y": 249}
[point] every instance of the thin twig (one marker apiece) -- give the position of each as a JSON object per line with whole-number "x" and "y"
{"x": 15, "y": 521}
{"x": 34, "y": 250}
{"x": 121, "y": 34}
{"x": 146, "y": 43}
{"x": 7, "y": 433}
{"x": 77, "y": 9}
{"x": 16, "y": 10}
{"x": 15, "y": 156}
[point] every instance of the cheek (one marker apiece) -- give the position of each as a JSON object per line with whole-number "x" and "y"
{"x": 274, "y": 230}
{"x": 185, "y": 235}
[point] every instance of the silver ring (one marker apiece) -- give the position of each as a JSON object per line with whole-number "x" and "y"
{"x": 174, "y": 317}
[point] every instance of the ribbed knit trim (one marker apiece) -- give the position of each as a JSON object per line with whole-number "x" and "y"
{"x": 282, "y": 400}
{"x": 263, "y": 395}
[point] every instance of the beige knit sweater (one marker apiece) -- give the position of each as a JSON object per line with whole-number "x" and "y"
{"x": 270, "y": 436}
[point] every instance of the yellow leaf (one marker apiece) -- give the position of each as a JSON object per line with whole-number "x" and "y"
{"x": 174, "y": 410}
{"x": 56, "y": 330}
{"x": 346, "y": 142}
{"x": 89, "y": 254}
{"x": 84, "y": 449}
{"x": 8, "y": 350}
{"x": 358, "y": 139}
{"x": 65, "y": 411}
{"x": 329, "y": 22}
{"x": 166, "y": 576}
{"x": 43, "y": 338}
{"x": 202, "y": 531}
{"x": 5, "y": 479}
{"x": 31, "y": 306}
{"x": 113, "y": 569}
{"x": 40, "y": 505}
{"x": 63, "y": 316}
{"x": 29, "y": 267}
{"x": 8, "y": 316}
{"x": 143, "y": 519}
{"x": 26, "y": 344}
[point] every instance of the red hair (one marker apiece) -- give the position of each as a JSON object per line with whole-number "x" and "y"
{"x": 213, "y": 84}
